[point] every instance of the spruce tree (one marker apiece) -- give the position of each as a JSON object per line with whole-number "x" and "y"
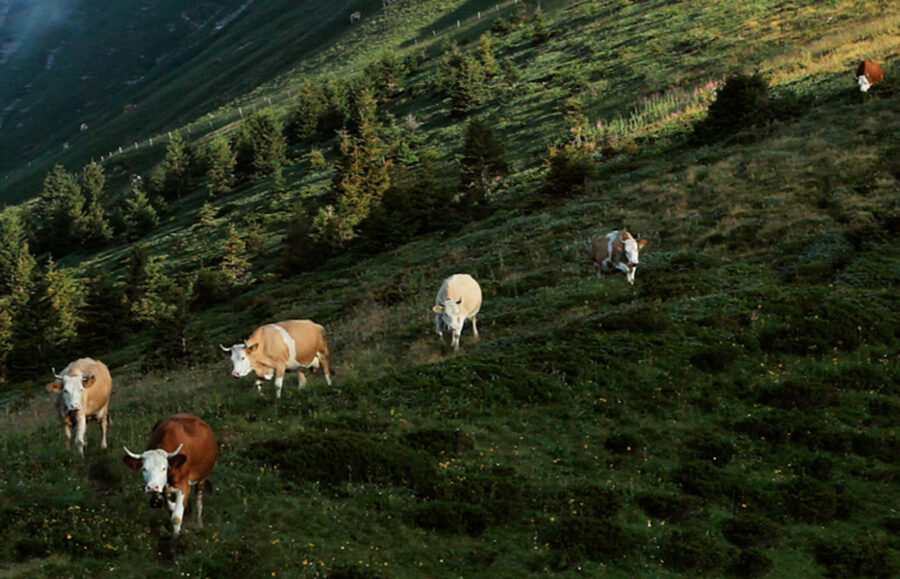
{"x": 308, "y": 108}
{"x": 220, "y": 160}
{"x": 138, "y": 214}
{"x": 16, "y": 262}
{"x": 146, "y": 287}
{"x": 483, "y": 165}
{"x": 172, "y": 179}
{"x": 104, "y": 312}
{"x": 59, "y": 212}
{"x": 94, "y": 228}
{"x": 262, "y": 148}
{"x": 235, "y": 264}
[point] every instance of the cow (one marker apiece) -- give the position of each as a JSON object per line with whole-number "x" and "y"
{"x": 84, "y": 389}
{"x": 181, "y": 452}
{"x": 355, "y": 16}
{"x": 458, "y": 300}
{"x": 274, "y": 348}
{"x": 616, "y": 251}
{"x": 868, "y": 73}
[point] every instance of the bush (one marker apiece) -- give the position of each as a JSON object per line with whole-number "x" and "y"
{"x": 692, "y": 549}
{"x": 854, "y": 557}
{"x": 439, "y": 442}
{"x": 596, "y": 539}
{"x": 452, "y": 517}
{"x": 587, "y": 500}
{"x": 715, "y": 358}
{"x": 740, "y": 104}
{"x": 668, "y": 506}
{"x": 569, "y": 171}
{"x": 748, "y": 530}
{"x": 751, "y": 563}
{"x": 810, "y": 501}
{"x": 699, "y": 478}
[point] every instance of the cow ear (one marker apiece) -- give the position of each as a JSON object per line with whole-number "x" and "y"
{"x": 618, "y": 245}
{"x": 251, "y": 347}
{"x": 54, "y": 386}
{"x": 642, "y": 243}
{"x": 459, "y": 301}
{"x": 88, "y": 380}
{"x": 438, "y": 309}
{"x": 133, "y": 463}
{"x": 177, "y": 460}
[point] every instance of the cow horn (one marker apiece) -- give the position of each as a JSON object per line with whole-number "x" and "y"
{"x": 224, "y": 349}
{"x": 131, "y": 454}
{"x": 174, "y": 452}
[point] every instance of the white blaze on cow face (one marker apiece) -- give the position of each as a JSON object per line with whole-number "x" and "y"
{"x": 450, "y": 316}
{"x": 240, "y": 362}
{"x": 864, "y": 84}
{"x": 72, "y": 388}
{"x": 155, "y": 467}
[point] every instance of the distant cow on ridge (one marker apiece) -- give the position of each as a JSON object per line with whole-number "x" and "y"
{"x": 868, "y": 73}
{"x": 84, "y": 388}
{"x": 181, "y": 452}
{"x": 355, "y": 16}
{"x": 616, "y": 251}
{"x": 458, "y": 300}
{"x": 274, "y": 348}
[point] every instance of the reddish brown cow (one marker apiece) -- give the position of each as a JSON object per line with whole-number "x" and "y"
{"x": 84, "y": 388}
{"x": 181, "y": 452}
{"x": 868, "y": 73}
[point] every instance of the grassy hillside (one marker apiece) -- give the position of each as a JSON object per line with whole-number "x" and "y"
{"x": 732, "y": 413}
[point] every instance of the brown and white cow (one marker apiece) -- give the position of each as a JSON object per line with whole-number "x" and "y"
{"x": 616, "y": 251}
{"x": 275, "y": 348}
{"x": 868, "y": 73}
{"x": 84, "y": 388}
{"x": 458, "y": 300}
{"x": 181, "y": 452}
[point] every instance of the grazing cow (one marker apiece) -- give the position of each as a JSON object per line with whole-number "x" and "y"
{"x": 84, "y": 388}
{"x": 616, "y": 251}
{"x": 458, "y": 300}
{"x": 868, "y": 73}
{"x": 355, "y": 16}
{"x": 274, "y": 348}
{"x": 181, "y": 452}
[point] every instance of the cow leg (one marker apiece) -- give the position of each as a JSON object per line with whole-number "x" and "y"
{"x": 181, "y": 498}
{"x": 279, "y": 381}
{"x": 455, "y": 341}
{"x": 301, "y": 379}
{"x": 68, "y": 431}
{"x": 475, "y": 326}
{"x": 259, "y": 386}
{"x": 323, "y": 363}
{"x": 104, "y": 425}
{"x": 438, "y": 327}
{"x": 198, "y": 518}
{"x": 79, "y": 432}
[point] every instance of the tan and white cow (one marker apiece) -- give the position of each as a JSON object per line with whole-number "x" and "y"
{"x": 84, "y": 388}
{"x": 868, "y": 73}
{"x": 275, "y": 348}
{"x": 616, "y": 251}
{"x": 458, "y": 300}
{"x": 181, "y": 452}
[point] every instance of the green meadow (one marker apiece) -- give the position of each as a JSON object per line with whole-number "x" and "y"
{"x": 733, "y": 413}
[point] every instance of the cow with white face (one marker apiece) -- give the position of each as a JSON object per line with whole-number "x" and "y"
{"x": 868, "y": 73}
{"x": 458, "y": 300}
{"x": 169, "y": 474}
{"x": 617, "y": 251}
{"x": 273, "y": 349}
{"x": 84, "y": 389}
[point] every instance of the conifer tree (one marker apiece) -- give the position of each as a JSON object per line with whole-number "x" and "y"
{"x": 220, "y": 160}
{"x": 262, "y": 148}
{"x": 104, "y": 312}
{"x": 6, "y": 333}
{"x": 94, "y": 228}
{"x": 462, "y": 78}
{"x": 235, "y": 264}
{"x": 306, "y": 112}
{"x": 483, "y": 165}
{"x": 172, "y": 179}
{"x": 138, "y": 214}
{"x": 146, "y": 286}
{"x": 59, "y": 212}
{"x": 16, "y": 262}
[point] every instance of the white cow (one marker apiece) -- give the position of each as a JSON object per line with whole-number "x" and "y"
{"x": 458, "y": 300}
{"x": 84, "y": 388}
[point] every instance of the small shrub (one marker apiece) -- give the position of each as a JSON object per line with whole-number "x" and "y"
{"x": 569, "y": 171}
{"x": 624, "y": 443}
{"x": 439, "y": 442}
{"x": 748, "y": 530}
{"x": 498, "y": 491}
{"x": 751, "y": 563}
{"x": 452, "y": 517}
{"x": 802, "y": 394}
{"x": 693, "y": 550}
{"x": 715, "y": 358}
{"x": 810, "y": 501}
{"x": 699, "y": 478}
{"x": 596, "y": 539}
{"x": 740, "y": 104}
{"x": 712, "y": 447}
{"x": 668, "y": 506}
{"x": 587, "y": 500}
{"x": 855, "y": 557}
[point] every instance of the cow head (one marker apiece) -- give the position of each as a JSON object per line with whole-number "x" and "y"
{"x": 72, "y": 388}
{"x": 631, "y": 248}
{"x": 864, "y": 84}
{"x": 450, "y": 315}
{"x": 241, "y": 364}
{"x": 155, "y": 465}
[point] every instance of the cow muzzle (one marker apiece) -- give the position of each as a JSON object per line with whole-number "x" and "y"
{"x": 157, "y": 500}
